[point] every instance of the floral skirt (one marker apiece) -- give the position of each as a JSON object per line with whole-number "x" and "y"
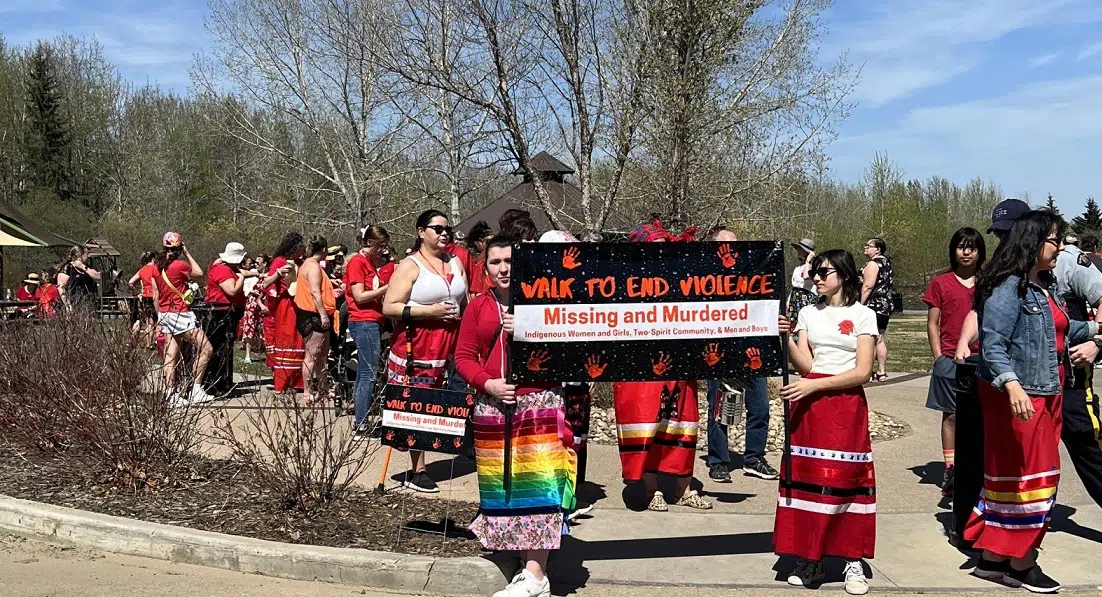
{"x": 523, "y": 508}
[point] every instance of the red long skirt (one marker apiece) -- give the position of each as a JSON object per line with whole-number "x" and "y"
{"x": 656, "y": 427}
{"x": 828, "y": 508}
{"x": 286, "y": 351}
{"x": 1021, "y": 469}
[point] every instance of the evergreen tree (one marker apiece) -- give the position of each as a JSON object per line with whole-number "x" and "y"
{"x": 1090, "y": 220}
{"x": 48, "y": 148}
{"x": 1051, "y": 205}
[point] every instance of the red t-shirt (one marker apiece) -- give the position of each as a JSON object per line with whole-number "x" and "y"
{"x": 21, "y": 294}
{"x": 179, "y": 272}
{"x": 48, "y": 298}
{"x": 955, "y": 301}
{"x": 360, "y": 270}
{"x": 146, "y": 275}
{"x": 218, "y": 273}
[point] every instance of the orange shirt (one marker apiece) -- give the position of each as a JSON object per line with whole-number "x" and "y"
{"x": 304, "y": 301}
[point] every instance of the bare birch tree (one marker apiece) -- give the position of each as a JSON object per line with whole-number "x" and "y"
{"x": 309, "y": 64}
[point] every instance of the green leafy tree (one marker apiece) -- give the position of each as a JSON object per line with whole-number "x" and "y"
{"x": 48, "y": 137}
{"x": 1090, "y": 220}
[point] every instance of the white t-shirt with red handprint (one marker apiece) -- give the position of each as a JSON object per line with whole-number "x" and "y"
{"x": 832, "y": 333}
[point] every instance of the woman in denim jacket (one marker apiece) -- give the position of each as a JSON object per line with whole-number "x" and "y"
{"x": 1024, "y": 335}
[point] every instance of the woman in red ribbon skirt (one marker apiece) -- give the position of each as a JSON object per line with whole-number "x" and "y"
{"x": 286, "y": 350}
{"x": 827, "y": 501}
{"x": 426, "y": 293}
{"x": 1024, "y": 335}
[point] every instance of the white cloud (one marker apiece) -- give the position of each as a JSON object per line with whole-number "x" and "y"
{"x": 1089, "y": 50}
{"x": 1040, "y": 137}
{"x": 906, "y": 47}
{"x": 1043, "y": 60}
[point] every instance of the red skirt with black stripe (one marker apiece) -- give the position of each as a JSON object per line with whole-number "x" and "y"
{"x": 656, "y": 427}
{"x": 828, "y": 507}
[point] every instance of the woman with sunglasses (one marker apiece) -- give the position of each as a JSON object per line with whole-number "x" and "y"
{"x": 827, "y": 504}
{"x": 425, "y": 294}
{"x": 1024, "y": 335}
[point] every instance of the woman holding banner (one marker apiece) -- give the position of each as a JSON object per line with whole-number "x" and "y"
{"x": 656, "y": 421}
{"x": 523, "y": 512}
{"x": 827, "y": 504}
{"x": 424, "y": 297}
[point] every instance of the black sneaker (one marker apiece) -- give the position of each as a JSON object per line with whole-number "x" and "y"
{"x": 761, "y": 469}
{"x": 719, "y": 473}
{"x": 1032, "y": 580}
{"x": 988, "y": 570}
{"x": 807, "y": 574}
{"x": 422, "y": 482}
{"x": 947, "y": 482}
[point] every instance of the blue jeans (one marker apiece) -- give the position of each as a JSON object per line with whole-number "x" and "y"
{"x": 757, "y": 424}
{"x": 367, "y": 337}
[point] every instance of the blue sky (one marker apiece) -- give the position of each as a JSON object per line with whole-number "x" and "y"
{"x": 1007, "y": 90}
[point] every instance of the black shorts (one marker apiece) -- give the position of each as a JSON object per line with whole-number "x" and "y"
{"x": 146, "y": 309}
{"x": 882, "y": 322}
{"x": 308, "y": 322}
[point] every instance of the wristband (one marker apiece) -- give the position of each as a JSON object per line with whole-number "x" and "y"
{"x": 407, "y": 315}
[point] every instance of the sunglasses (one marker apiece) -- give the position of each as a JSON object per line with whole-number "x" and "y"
{"x": 823, "y": 272}
{"x": 440, "y": 230}
{"x": 1053, "y": 241}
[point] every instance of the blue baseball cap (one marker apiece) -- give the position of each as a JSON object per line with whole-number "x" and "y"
{"x": 1006, "y": 213}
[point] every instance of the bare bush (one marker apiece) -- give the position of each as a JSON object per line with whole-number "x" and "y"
{"x": 78, "y": 384}
{"x": 306, "y": 454}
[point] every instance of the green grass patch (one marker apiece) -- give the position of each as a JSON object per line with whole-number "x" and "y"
{"x": 908, "y": 349}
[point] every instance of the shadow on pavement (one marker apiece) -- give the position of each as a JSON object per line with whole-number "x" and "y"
{"x": 1062, "y": 523}
{"x": 440, "y": 470}
{"x": 568, "y": 564}
{"x": 930, "y": 473}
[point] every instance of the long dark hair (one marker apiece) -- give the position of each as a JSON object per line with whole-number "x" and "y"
{"x": 967, "y": 238}
{"x": 846, "y": 269}
{"x": 167, "y": 256}
{"x": 318, "y": 245}
{"x": 290, "y": 243}
{"x": 1017, "y": 255}
{"x": 423, "y": 222}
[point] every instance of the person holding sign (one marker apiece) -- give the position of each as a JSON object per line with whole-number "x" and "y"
{"x": 657, "y": 421}
{"x": 827, "y": 503}
{"x": 424, "y": 295}
{"x": 526, "y": 481}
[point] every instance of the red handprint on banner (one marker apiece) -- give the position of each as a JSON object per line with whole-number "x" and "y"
{"x": 726, "y": 257}
{"x": 662, "y": 364}
{"x": 753, "y": 358}
{"x": 536, "y": 361}
{"x": 570, "y": 258}
{"x": 594, "y": 367}
{"x": 712, "y": 356}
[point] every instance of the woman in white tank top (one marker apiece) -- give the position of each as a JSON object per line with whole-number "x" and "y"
{"x": 428, "y": 288}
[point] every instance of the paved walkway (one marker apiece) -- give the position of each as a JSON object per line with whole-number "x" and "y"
{"x": 731, "y": 545}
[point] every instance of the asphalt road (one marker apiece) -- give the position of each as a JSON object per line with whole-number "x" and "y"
{"x": 34, "y": 569}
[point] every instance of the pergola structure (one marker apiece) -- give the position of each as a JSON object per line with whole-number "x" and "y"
{"x": 16, "y": 230}
{"x": 565, "y": 198}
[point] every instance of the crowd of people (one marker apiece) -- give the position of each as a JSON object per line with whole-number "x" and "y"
{"x": 1025, "y": 318}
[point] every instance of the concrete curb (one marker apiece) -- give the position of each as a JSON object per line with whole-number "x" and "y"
{"x": 374, "y": 569}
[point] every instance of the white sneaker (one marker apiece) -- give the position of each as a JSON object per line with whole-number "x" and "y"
{"x": 200, "y": 396}
{"x": 856, "y": 583}
{"x": 581, "y": 511}
{"x": 175, "y": 400}
{"x": 526, "y": 585}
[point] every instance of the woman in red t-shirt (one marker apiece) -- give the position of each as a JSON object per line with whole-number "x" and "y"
{"x": 286, "y": 350}
{"x": 949, "y": 297}
{"x": 142, "y": 282}
{"x": 176, "y": 268}
{"x": 366, "y": 277}
{"x": 49, "y": 297}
